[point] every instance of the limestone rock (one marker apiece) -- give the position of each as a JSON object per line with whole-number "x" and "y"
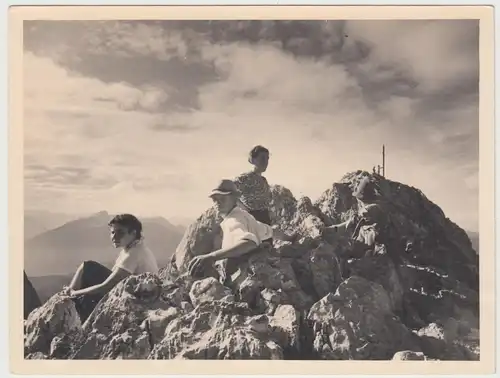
{"x": 207, "y": 290}
{"x": 357, "y": 322}
{"x": 201, "y": 237}
{"x": 217, "y": 330}
{"x": 449, "y": 342}
{"x": 116, "y": 327}
{"x": 157, "y": 321}
{"x": 57, "y": 316}
{"x": 409, "y": 355}
{"x": 285, "y": 324}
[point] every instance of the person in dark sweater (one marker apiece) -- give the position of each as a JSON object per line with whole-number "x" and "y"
{"x": 92, "y": 281}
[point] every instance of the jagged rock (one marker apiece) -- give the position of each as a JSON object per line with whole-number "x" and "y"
{"x": 269, "y": 272}
{"x": 449, "y": 341}
{"x": 271, "y": 299}
{"x": 409, "y": 355}
{"x": 357, "y": 322}
{"x": 131, "y": 344}
{"x": 62, "y": 345}
{"x": 207, "y": 290}
{"x": 36, "y": 356}
{"x": 326, "y": 296}
{"x": 382, "y": 270}
{"x": 437, "y": 276}
{"x": 156, "y": 322}
{"x": 217, "y": 330}
{"x": 325, "y": 270}
{"x": 58, "y": 316}
{"x": 202, "y": 237}
{"x": 283, "y": 206}
{"x": 286, "y": 326}
{"x": 31, "y": 298}
{"x": 120, "y": 314}
{"x": 90, "y": 347}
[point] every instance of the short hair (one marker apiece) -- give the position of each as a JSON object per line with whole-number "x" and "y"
{"x": 254, "y": 152}
{"x": 129, "y": 221}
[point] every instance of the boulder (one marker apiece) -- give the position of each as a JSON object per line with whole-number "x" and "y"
{"x": 58, "y": 316}
{"x": 218, "y": 330}
{"x": 449, "y": 340}
{"x": 201, "y": 237}
{"x": 207, "y": 290}
{"x": 358, "y": 322}
{"x": 409, "y": 355}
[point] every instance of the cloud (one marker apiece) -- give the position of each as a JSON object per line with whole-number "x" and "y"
{"x": 437, "y": 54}
{"x": 165, "y": 109}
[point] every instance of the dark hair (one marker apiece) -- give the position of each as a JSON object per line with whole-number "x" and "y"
{"x": 256, "y": 151}
{"x": 130, "y": 222}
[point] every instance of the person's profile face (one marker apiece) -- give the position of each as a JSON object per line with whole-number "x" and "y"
{"x": 120, "y": 236}
{"x": 223, "y": 202}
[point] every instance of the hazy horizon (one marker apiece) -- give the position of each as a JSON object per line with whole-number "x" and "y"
{"x": 145, "y": 117}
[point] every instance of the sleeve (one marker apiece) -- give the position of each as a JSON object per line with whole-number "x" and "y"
{"x": 265, "y": 231}
{"x": 239, "y": 231}
{"x": 128, "y": 262}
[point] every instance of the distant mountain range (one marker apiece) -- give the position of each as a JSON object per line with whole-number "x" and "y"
{"x": 37, "y": 221}
{"x": 60, "y": 250}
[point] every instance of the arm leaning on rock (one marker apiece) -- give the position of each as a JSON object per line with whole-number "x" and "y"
{"x": 116, "y": 276}
{"x": 340, "y": 225}
{"x": 281, "y": 235}
{"x": 240, "y": 249}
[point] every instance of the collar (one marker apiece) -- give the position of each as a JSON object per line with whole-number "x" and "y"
{"x": 134, "y": 244}
{"x": 230, "y": 212}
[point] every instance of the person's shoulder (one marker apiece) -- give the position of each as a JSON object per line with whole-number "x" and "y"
{"x": 243, "y": 176}
{"x": 237, "y": 215}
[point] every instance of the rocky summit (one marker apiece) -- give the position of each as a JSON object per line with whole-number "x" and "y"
{"x": 414, "y": 295}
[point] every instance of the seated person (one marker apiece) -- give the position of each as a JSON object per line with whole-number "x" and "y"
{"x": 242, "y": 234}
{"x": 92, "y": 281}
{"x": 370, "y": 215}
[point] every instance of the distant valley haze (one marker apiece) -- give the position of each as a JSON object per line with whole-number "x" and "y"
{"x": 59, "y": 250}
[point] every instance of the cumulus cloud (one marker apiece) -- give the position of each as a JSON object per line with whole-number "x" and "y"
{"x": 163, "y": 110}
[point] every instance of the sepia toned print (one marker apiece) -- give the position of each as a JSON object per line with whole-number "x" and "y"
{"x": 261, "y": 189}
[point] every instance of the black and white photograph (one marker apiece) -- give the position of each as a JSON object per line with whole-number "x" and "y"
{"x": 263, "y": 189}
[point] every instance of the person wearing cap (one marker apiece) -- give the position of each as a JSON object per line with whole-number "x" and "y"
{"x": 242, "y": 234}
{"x": 369, "y": 214}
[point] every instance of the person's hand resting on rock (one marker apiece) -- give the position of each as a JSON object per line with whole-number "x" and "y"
{"x": 198, "y": 264}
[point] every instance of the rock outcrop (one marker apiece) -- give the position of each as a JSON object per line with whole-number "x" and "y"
{"x": 413, "y": 295}
{"x": 31, "y": 298}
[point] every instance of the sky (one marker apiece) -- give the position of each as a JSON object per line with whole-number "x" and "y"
{"x": 147, "y": 116}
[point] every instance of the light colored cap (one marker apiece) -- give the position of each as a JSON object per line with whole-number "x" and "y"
{"x": 225, "y": 187}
